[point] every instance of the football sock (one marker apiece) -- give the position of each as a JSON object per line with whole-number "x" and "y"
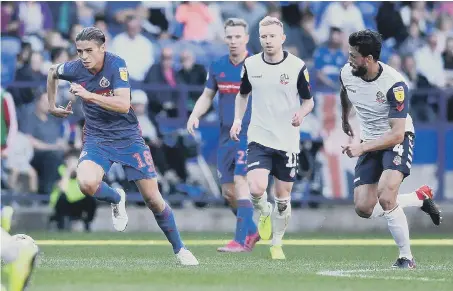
{"x": 260, "y": 203}
{"x": 280, "y": 219}
{"x": 9, "y": 247}
{"x": 166, "y": 222}
{"x": 107, "y": 194}
{"x": 410, "y": 200}
{"x": 244, "y": 216}
{"x": 397, "y": 224}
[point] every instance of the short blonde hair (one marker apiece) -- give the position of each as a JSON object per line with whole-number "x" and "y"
{"x": 269, "y": 20}
{"x": 231, "y": 22}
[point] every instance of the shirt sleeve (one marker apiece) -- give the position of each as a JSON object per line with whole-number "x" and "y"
{"x": 246, "y": 87}
{"x": 67, "y": 71}
{"x": 303, "y": 84}
{"x": 211, "y": 81}
{"x": 398, "y": 98}
{"x": 120, "y": 77}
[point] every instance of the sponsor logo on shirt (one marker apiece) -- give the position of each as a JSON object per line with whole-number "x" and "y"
{"x": 123, "y": 74}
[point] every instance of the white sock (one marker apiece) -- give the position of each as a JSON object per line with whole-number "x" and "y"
{"x": 280, "y": 219}
{"x": 409, "y": 200}
{"x": 9, "y": 247}
{"x": 261, "y": 204}
{"x": 377, "y": 211}
{"x": 397, "y": 223}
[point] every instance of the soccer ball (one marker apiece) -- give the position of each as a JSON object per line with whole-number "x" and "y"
{"x": 25, "y": 240}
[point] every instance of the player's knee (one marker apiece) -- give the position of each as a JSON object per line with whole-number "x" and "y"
{"x": 387, "y": 196}
{"x": 257, "y": 188}
{"x": 363, "y": 211}
{"x": 88, "y": 185}
{"x": 228, "y": 193}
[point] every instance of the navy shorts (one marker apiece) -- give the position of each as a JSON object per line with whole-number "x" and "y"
{"x": 134, "y": 155}
{"x": 370, "y": 165}
{"x": 232, "y": 160}
{"x": 282, "y": 165}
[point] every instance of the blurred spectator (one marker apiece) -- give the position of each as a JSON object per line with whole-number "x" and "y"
{"x": 54, "y": 39}
{"x": 395, "y": 62}
{"x": 329, "y": 59}
{"x": 389, "y": 22}
{"x": 160, "y": 14}
{"x": 11, "y": 25}
{"x": 45, "y": 134}
{"x": 75, "y": 29}
{"x": 20, "y": 154}
{"x": 195, "y": 17}
{"x": 32, "y": 73}
{"x": 215, "y": 29}
{"x": 254, "y": 40}
{"x": 68, "y": 201}
{"x": 64, "y": 14}
{"x": 417, "y": 11}
{"x": 163, "y": 73}
{"x": 344, "y": 15}
{"x": 117, "y": 12}
{"x": 444, "y": 30}
{"x": 85, "y": 14}
{"x": 420, "y": 108}
{"x": 23, "y": 58}
{"x": 304, "y": 37}
{"x": 251, "y": 11}
{"x": 8, "y": 119}
{"x": 191, "y": 74}
{"x": 36, "y": 17}
{"x": 413, "y": 42}
{"x": 131, "y": 44}
{"x": 446, "y": 7}
{"x": 447, "y": 57}
{"x": 430, "y": 63}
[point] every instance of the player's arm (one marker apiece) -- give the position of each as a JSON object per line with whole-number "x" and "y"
{"x": 303, "y": 88}
{"x": 397, "y": 97}
{"x": 63, "y": 71}
{"x": 120, "y": 101}
{"x": 346, "y": 107}
{"x": 242, "y": 98}
{"x": 204, "y": 102}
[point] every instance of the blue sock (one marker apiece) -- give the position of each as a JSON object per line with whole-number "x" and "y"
{"x": 166, "y": 222}
{"x": 107, "y": 194}
{"x": 252, "y": 229}
{"x": 234, "y": 210}
{"x": 245, "y": 214}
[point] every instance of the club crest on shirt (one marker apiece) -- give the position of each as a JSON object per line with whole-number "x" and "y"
{"x": 399, "y": 93}
{"x": 104, "y": 83}
{"x": 397, "y": 160}
{"x": 123, "y": 74}
{"x": 380, "y": 97}
{"x": 284, "y": 79}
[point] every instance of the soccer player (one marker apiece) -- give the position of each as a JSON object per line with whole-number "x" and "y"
{"x": 111, "y": 134}
{"x": 379, "y": 95}
{"x": 281, "y": 99}
{"x": 225, "y": 77}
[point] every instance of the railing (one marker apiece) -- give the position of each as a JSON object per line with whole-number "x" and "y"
{"x": 441, "y": 126}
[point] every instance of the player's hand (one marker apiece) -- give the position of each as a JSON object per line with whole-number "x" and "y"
{"x": 235, "y": 130}
{"x": 296, "y": 121}
{"x": 347, "y": 128}
{"x": 192, "y": 123}
{"x": 353, "y": 150}
{"x": 78, "y": 90}
{"x": 61, "y": 111}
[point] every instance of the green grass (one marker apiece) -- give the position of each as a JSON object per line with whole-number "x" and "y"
{"x": 131, "y": 267}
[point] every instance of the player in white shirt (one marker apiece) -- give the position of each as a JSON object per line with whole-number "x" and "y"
{"x": 379, "y": 95}
{"x": 281, "y": 99}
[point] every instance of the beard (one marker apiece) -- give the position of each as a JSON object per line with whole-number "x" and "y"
{"x": 359, "y": 72}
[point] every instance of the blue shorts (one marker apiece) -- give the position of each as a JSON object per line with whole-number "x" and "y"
{"x": 282, "y": 165}
{"x": 370, "y": 165}
{"x": 232, "y": 160}
{"x": 134, "y": 155}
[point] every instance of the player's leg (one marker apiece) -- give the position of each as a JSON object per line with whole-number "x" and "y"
{"x": 259, "y": 165}
{"x": 19, "y": 261}
{"x": 164, "y": 217}
{"x": 93, "y": 164}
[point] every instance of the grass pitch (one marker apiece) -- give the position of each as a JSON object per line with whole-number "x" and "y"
{"x": 131, "y": 261}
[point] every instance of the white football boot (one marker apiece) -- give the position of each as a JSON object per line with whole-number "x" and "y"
{"x": 119, "y": 215}
{"x": 186, "y": 258}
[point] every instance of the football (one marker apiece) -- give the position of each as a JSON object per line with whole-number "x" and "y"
{"x": 24, "y": 239}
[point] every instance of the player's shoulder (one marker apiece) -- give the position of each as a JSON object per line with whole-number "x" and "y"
{"x": 390, "y": 76}
{"x": 220, "y": 62}
{"x": 114, "y": 60}
{"x": 294, "y": 60}
{"x": 253, "y": 59}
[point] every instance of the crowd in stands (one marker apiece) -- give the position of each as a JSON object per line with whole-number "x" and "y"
{"x": 172, "y": 44}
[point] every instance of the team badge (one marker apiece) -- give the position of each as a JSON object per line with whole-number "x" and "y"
{"x": 380, "y": 98}
{"x": 104, "y": 83}
{"x": 397, "y": 160}
{"x": 60, "y": 70}
{"x": 123, "y": 74}
{"x": 307, "y": 76}
{"x": 292, "y": 173}
{"x": 399, "y": 93}
{"x": 284, "y": 79}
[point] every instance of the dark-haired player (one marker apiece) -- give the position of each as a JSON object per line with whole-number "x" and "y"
{"x": 111, "y": 133}
{"x": 379, "y": 95}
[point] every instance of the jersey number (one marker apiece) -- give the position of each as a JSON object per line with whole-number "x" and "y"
{"x": 241, "y": 155}
{"x": 399, "y": 149}
{"x": 292, "y": 160}
{"x": 148, "y": 160}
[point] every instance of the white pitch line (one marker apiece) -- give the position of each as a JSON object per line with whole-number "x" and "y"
{"x": 357, "y": 274}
